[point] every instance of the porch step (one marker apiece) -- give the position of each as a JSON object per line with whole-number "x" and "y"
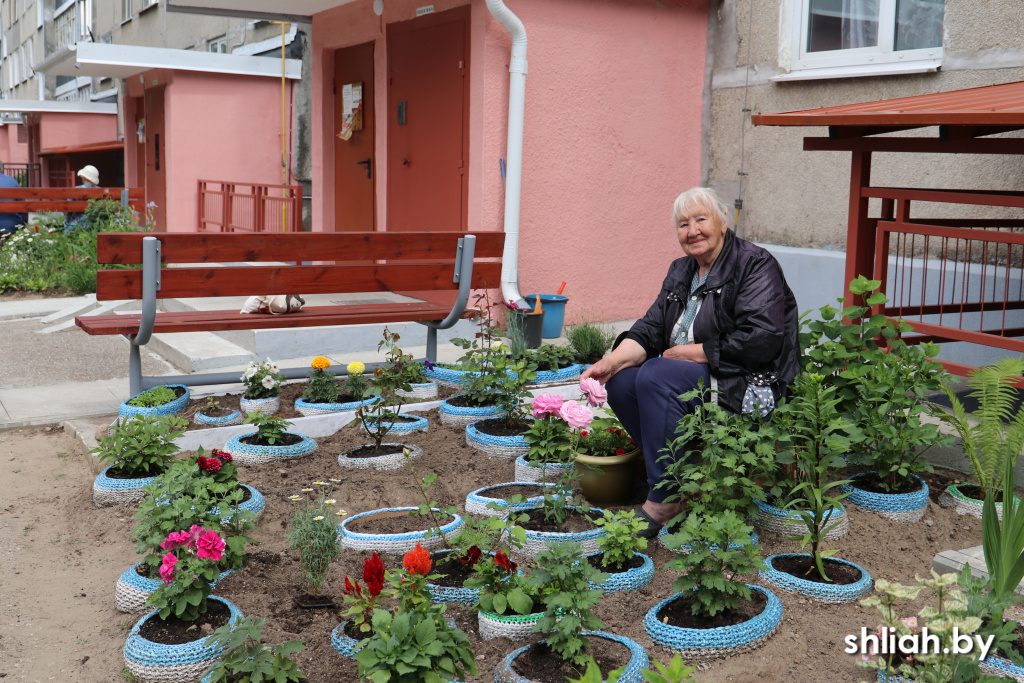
{"x": 198, "y": 351}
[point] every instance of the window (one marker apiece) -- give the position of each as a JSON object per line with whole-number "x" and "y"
{"x": 146, "y": 4}
{"x": 219, "y": 44}
{"x": 836, "y": 38}
{"x": 126, "y": 10}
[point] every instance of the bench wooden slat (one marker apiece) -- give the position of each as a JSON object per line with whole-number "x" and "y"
{"x": 80, "y": 193}
{"x": 126, "y": 248}
{"x": 62, "y": 206}
{"x": 249, "y": 280}
{"x": 315, "y": 316}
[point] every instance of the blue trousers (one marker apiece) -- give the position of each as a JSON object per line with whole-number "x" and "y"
{"x": 646, "y": 401}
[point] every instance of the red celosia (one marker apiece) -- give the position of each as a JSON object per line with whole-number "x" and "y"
{"x": 471, "y": 557}
{"x": 352, "y": 587}
{"x": 373, "y": 574}
{"x": 417, "y": 561}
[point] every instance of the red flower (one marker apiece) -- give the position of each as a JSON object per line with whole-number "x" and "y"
{"x": 501, "y": 559}
{"x": 373, "y": 574}
{"x": 620, "y": 451}
{"x": 583, "y": 434}
{"x": 201, "y": 461}
{"x": 212, "y": 465}
{"x": 417, "y": 561}
{"x": 471, "y": 557}
{"x": 223, "y": 455}
{"x": 352, "y": 587}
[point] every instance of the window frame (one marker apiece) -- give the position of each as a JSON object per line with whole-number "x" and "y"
{"x": 126, "y": 11}
{"x": 218, "y": 41}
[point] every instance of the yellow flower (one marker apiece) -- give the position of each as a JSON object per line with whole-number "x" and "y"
{"x": 355, "y": 368}
{"x": 320, "y": 363}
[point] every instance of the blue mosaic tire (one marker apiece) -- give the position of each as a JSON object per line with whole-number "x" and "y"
{"x": 446, "y": 376}
{"x": 631, "y": 580}
{"x": 152, "y": 662}
{"x": 667, "y": 540}
{"x": 560, "y": 376}
{"x": 505, "y": 447}
{"x": 172, "y": 408}
{"x": 997, "y": 666}
{"x": 132, "y": 590}
{"x": 391, "y": 461}
{"x": 883, "y": 677}
{"x": 249, "y": 454}
{"x": 107, "y": 491}
{"x": 776, "y": 519}
{"x": 477, "y": 501}
{"x": 526, "y": 472}
{"x": 346, "y": 646}
{"x": 232, "y": 418}
{"x": 309, "y": 409}
{"x": 537, "y": 541}
{"x": 698, "y": 643}
{"x": 454, "y": 416}
{"x": 821, "y": 592}
{"x": 905, "y": 508}
{"x": 443, "y": 594}
{"x": 266, "y": 405}
{"x": 638, "y": 661}
{"x": 418, "y": 423}
{"x": 391, "y": 543}
{"x": 422, "y": 392}
{"x": 255, "y": 504}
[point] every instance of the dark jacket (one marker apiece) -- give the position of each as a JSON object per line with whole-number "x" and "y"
{"x": 748, "y": 320}
{"x": 10, "y": 221}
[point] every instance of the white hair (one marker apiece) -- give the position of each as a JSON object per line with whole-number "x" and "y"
{"x": 698, "y": 197}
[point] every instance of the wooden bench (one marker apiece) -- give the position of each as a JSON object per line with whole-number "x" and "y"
{"x": 432, "y": 264}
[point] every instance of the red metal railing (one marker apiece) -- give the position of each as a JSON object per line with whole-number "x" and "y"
{"x": 249, "y": 207}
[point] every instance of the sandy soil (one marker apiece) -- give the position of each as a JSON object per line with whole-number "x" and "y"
{"x": 61, "y": 557}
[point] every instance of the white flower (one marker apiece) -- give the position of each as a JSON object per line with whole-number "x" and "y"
{"x": 330, "y": 501}
{"x": 294, "y": 497}
{"x": 249, "y": 372}
{"x": 306, "y": 490}
{"x": 268, "y": 382}
{"x": 341, "y": 513}
{"x": 336, "y": 481}
{"x": 318, "y": 518}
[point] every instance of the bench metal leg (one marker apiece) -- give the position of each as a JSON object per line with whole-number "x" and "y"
{"x": 432, "y": 344}
{"x": 134, "y": 369}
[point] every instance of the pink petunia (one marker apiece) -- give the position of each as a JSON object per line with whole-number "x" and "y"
{"x": 576, "y": 415}
{"x": 193, "y": 535}
{"x": 167, "y": 567}
{"x": 546, "y": 404}
{"x": 211, "y": 546}
{"x": 175, "y": 539}
{"x": 595, "y": 392}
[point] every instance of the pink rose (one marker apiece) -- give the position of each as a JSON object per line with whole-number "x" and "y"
{"x": 577, "y": 416}
{"x": 595, "y": 392}
{"x": 211, "y": 546}
{"x": 546, "y": 404}
{"x": 167, "y": 567}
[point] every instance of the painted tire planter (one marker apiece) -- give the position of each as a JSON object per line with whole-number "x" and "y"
{"x": 232, "y": 418}
{"x": 774, "y": 519}
{"x": 267, "y": 405}
{"x": 172, "y": 408}
{"x": 822, "y": 592}
{"x": 638, "y": 661}
{"x": 390, "y": 543}
{"x": 883, "y": 677}
{"x": 631, "y": 580}
{"x": 716, "y": 642}
{"x": 455, "y": 416}
{"x": 905, "y": 508}
{"x": 250, "y": 454}
{"x": 310, "y": 409}
{"x": 343, "y": 643}
{"x": 255, "y": 504}
{"x": 152, "y": 662}
{"x": 446, "y": 376}
{"x": 391, "y": 461}
{"x": 965, "y": 505}
{"x": 664, "y": 538}
{"x": 997, "y": 666}
{"x": 511, "y": 626}
{"x": 537, "y": 541}
{"x": 443, "y": 594}
{"x": 423, "y": 392}
{"x": 559, "y": 376}
{"x": 504, "y": 447}
{"x": 417, "y": 423}
{"x": 524, "y": 471}
{"x": 478, "y": 500}
{"x": 108, "y": 491}
{"x": 132, "y": 590}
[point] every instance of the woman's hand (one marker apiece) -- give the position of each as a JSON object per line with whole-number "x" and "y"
{"x": 628, "y": 354}
{"x": 691, "y": 352}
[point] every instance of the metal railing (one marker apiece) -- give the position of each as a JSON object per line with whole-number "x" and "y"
{"x": 249, "y": 207}
{"x": 27, "y": 174}
{"x": 72, "y": 22}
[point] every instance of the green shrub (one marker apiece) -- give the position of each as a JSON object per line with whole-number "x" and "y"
{"x": 589, "y": 341}
{"x": 157, "y": 396}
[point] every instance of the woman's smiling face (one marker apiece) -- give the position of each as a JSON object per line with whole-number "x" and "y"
{"x": 701, "y": 234}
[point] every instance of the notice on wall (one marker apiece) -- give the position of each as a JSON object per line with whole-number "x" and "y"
{"x": 426, "y": 9}
{"x": 351, "y": 109}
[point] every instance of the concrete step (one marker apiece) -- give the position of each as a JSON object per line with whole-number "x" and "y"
{"x": 37, "y": 308}
{"x": 62, "y": 320}
{"x": 199, "y": 351}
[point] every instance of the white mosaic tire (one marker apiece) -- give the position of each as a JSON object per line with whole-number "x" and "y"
{"x": 828, "y": 593}
{"x": 905, "y": 508}
{"x": 537, "y": 541}
{"x": 478, "y": 500}
{"x": 229, "y": 420}
{"x": 392, "y": 543}
{"x": 631, "y": 580}
{"x": 423, "y": 392}
{"x": 151, "y": 662}
{"x": 504, "y": 447}
{"x": 633, "y": 673}
{"x": 776, "y": 520}
{"x": 524, "y": 471}
{"x": 392, "y": 461}
{"x": 455, "y": 416}
{"x": 172, "y": 408}
{"x": 511, "y": 626}
{"x": 417, "y": 423}
{"x": 969, "y": 506}
{"x": 249, "y": 454}
{"x": 309, "y": 409}
{"x": 267, "y": 405}
{"x": 107, "y": 491}
{"x": 132, "y": 590}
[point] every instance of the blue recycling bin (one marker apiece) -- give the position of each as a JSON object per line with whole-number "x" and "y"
{"x": 553, "y": 306}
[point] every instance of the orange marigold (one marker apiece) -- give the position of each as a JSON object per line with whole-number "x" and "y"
{"x": 417, "y": 561}
{"x": 320, "y": 363}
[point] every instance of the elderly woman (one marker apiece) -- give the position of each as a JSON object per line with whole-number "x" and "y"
{"x": 725, "y": 315}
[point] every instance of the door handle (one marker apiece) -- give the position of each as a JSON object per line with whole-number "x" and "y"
{"x": 369, "y": 167}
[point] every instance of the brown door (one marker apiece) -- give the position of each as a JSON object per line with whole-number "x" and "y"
{"x": 427, "y": 121}
{"x": 354, "y": 161}
{"x": 156, "y": 157}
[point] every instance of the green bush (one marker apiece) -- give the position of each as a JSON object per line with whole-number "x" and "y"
{"x": 157, "y": 396}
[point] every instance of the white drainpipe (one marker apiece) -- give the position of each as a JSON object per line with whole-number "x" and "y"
{"x": 514, "y": 152}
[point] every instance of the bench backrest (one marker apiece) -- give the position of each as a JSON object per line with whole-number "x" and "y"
{"x": 64, "y": 199}
{"x": 356, "y": 262}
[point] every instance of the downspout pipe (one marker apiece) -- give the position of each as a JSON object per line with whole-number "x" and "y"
{"x": 514, "y": 149}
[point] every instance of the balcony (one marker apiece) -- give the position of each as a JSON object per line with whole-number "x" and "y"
{"x": 72, "y": 24}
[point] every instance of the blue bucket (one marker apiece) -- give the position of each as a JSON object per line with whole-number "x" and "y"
{"x": 553, "y": 306}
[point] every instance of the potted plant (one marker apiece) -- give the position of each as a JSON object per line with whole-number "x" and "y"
{"x": 676, "y": 672}
{"x": 619, "y": 556}
{"x": 182, "y": 606}
{"x": 219, "y": 474}
{"x": 589, "y": 341}
{"x": 262, "y": 382}
{"x": 503, "y": 436}
{"x": 314, "y": 534}
{"x": 557, "y": 425}
{"x": 362, "y": 602}
{"x": 993, "y": 434}
{"x": 605, "y": 454}
{"x": 508, "y": 605}
{"x": 323, "y": 395}
{"x": 213, "y": 414}
{"x": 134, "y": 452}
{"x": 168, "y": 399}
{"x": 493, "y": 500}
{"x": 270, "y": 442}
{"x": 409, "y": 378}
{"x": 555, "y": 364}
{"x": 245, "y": 658}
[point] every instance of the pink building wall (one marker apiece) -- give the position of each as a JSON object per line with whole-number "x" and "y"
{"x": 59, "y": 129}
{"x": 614, "y": 104}
{"x": 12, "y": 151}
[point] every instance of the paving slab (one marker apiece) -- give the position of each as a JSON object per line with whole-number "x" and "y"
{"x": 36, "y": 308}
{"x": 28, "y": 406}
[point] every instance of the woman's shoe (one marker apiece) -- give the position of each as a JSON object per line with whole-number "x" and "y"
{"x": 653, "y": 526}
